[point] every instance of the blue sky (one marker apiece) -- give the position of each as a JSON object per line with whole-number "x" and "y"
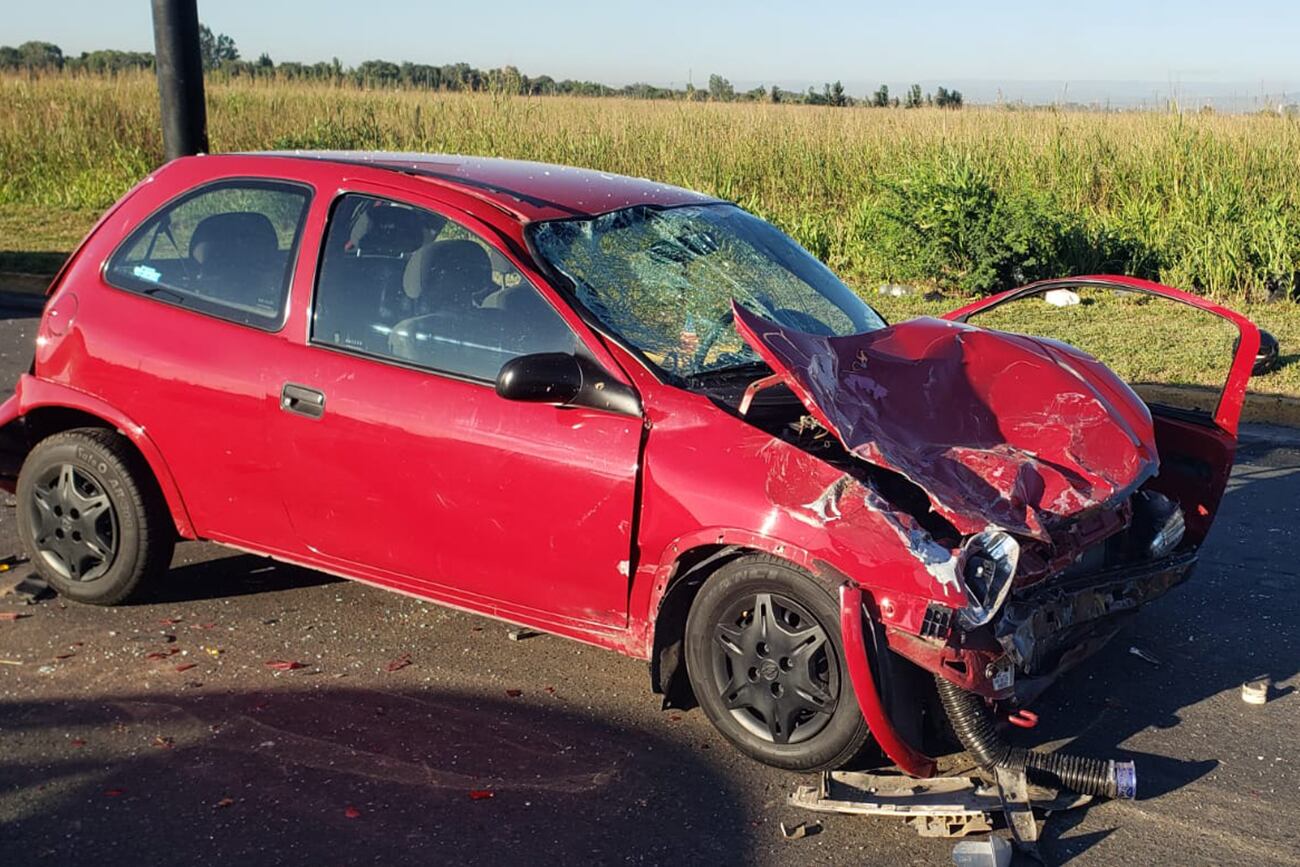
{"x": 1252, "y": 43}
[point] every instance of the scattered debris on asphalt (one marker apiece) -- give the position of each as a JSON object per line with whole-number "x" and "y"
{"x": 1144, "y": 656}
{"x": 519, "y": 633}
{"x": 989, "y": 852}
{"x": 161, "y": 638}
{"x": 33, "y": 589}
{"x": 284, "y": 664}
{"x": 799, "y": 831}
{"x": 514, "y": 693}
{"x": 935, "y": 807}
{"x": 10, "y": 616}
{"x": 351, "y": 812}
{"x": 399, "y": 663}
{"x": 19, "y": 579}
{"x": 1255, "y": 691}
{"x": 481, "y": 794}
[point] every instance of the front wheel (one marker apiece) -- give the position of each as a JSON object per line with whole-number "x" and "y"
{"x": 91, "y": 517}
{"x": 766, "y": 662}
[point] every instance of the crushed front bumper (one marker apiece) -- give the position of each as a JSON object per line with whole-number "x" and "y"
{"x": 1040, "y": 633}
{"x": 1053, "y": 627}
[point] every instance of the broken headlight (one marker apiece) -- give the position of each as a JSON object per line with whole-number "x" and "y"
{"x": 985, "y": 569}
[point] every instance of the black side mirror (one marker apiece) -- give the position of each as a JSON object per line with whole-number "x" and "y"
{"x": 562, "y": 379}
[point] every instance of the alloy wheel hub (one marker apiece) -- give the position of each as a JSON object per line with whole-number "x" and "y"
{"x": 74, "y": 523}
{"x": 774, "y": 669}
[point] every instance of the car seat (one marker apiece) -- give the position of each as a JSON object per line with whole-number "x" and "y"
{"x": 235, "y": 257}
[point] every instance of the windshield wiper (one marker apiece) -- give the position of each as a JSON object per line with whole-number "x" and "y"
{"x": 744, "y": 370}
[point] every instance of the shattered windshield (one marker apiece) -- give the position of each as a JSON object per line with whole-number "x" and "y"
{"x": 663, "y": 280}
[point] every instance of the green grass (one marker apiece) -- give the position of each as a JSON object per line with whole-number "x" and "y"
{"x": 965, "y": 202}
{"x": 35, "y": 239}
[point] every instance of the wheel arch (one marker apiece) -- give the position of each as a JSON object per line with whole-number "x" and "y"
{"x": 46, "y": 408}
{"x": 896, "y": 689}
{"x": 688, "y": 572}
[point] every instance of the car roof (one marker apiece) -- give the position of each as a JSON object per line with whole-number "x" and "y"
{"x": 530, "y": 191}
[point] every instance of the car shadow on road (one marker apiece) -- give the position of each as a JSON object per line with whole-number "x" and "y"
{"x": 349, "y": 775}
{"x": 1226, "y": 625}
{"x": 225, "y": 576}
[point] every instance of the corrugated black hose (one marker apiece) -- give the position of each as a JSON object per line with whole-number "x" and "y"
{"x": 975, "y": 729}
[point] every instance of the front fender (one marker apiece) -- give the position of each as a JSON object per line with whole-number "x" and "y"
{"x": 710, "y": 479}
{"x": 33, "y": 394}
{"x": 882, "y": 728}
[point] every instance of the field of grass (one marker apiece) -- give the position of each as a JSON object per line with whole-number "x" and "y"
{"x": 965, "y": 202}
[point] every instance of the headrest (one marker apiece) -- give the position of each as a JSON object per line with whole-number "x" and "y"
{"x": 246, "y": 233}
{"x": 387, "y": 230}
{"x": 448, "y": 269}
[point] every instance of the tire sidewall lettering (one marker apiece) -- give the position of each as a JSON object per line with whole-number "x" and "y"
{"x": 108, "y": 475}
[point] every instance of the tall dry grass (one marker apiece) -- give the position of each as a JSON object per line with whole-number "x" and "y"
{"x": 1205, "y": 202}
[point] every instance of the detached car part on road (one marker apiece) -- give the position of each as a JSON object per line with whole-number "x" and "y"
{"x": 616, "y": 411}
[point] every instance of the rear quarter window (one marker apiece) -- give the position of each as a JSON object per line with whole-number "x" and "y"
{"x": 226, "y": 249}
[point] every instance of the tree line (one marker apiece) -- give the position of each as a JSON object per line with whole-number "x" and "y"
{"x": 221, "y": 59}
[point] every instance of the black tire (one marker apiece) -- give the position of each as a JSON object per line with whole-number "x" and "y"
{"x": 122, "y": 536}
{"x": 760, "y": 694}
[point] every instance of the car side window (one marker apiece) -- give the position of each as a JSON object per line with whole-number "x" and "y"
{"x": 404, "y": 283}
{"x": 226, "y": 249}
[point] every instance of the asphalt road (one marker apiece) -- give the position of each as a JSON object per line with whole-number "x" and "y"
{"x": 110, "y": 754}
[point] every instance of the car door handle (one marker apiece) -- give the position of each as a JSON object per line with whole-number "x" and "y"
{"x": 302, "y": 400}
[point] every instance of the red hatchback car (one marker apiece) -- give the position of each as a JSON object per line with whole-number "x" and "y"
{"x": 613, "y": 410}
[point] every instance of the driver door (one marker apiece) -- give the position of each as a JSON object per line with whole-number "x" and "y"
{"x": 402, "y": 464}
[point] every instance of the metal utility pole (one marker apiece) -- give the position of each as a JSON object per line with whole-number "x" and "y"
{"x": 180, "y": 77}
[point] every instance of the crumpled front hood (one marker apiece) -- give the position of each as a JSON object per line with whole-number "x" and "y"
{"x": 999, "y": 429}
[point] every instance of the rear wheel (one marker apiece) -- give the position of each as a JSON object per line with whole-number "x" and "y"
{"x": 766, "y": 662}
{"x": 90, "y": 516}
